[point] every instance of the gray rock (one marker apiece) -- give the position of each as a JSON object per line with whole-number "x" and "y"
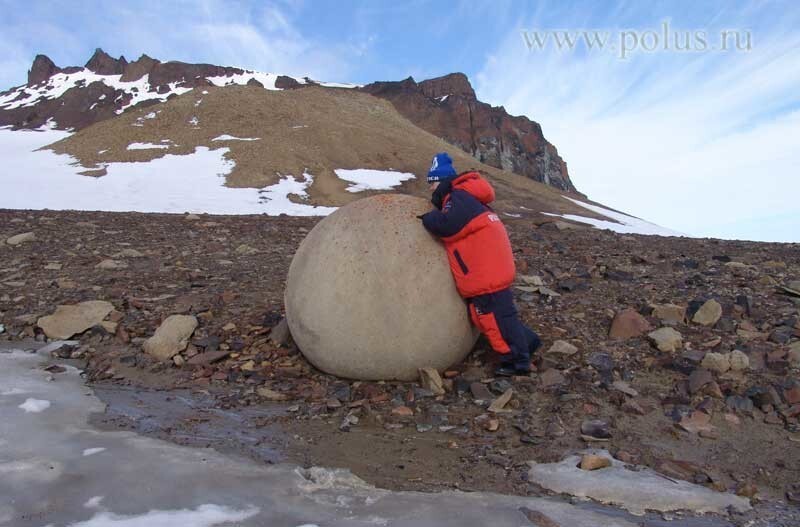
{"x": 280, "y": 335}
{"x": 19, "y": 239}
{"x": 562, "y": 347}
{"x": 596, "y": 428}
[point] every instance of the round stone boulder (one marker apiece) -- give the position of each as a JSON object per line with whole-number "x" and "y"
{"x": 370, "y": 296}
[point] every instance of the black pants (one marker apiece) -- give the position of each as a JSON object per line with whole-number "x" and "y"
{"x": 496, "y": 316}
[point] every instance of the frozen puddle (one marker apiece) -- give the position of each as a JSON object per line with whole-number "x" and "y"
{"x": 47, "y": 478}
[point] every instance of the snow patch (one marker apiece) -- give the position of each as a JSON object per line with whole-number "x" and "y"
{"x": 339, "y": 85}
{"x": 207, "y": 515}
{"x": 266, "y": 79}
{"x": 626, "y": 224}
{"x": 92, "y": 451}
{"x": 368, "y": 179}
{"x": 194, "y": 121}
{"x": 145, "y": 146}
{"x": 277, "y": 198}
{"x": 512, "y": 215}
{"x": 34, "y": 405}
{"x": 12, "y": 391}
{"x": 151, "y": 115}
{"x": 102, "y": 151}
{"x": 226, "y": 137}
{"x": 93, "y": 502}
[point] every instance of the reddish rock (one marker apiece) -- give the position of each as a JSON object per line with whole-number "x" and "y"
{"x": 627, "y": 324}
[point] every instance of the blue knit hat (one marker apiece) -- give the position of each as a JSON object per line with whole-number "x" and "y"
{"x": 441, "y": 168}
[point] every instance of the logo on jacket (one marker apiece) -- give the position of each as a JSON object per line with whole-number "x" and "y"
{"x": 493, "y": 217}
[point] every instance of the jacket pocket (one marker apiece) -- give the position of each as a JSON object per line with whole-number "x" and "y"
{"x": 461, "y": 264}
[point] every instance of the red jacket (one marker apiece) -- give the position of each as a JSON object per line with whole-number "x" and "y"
{"x": 477, "y": 243}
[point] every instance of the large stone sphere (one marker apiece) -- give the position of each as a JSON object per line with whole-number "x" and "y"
{"x": 370, "y": 296}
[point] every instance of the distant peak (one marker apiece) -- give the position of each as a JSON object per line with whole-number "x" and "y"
{"x": 42, "y": 69}
{"x": 451, "y": 84}
{"x": 104, "y": 64}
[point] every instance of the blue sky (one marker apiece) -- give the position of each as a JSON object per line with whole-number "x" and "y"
{"x": 706, "y": 142}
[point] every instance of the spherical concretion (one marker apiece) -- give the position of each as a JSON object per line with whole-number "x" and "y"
{"x": 370, "y": 295}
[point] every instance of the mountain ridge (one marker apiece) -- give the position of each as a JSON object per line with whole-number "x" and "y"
{"x": 76, "y": 97}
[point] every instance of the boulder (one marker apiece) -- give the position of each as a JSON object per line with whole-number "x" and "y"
{"x": 708, "y": 314}
{"x": 370, "y": 296}
{"x": 21, "y": 238}
{"x": 628, "y": 323}
{"x": 171, "y": 337}
{"x": 70, "y": 320}
{"x": 666, "y": 339}
{"x": 670, "y": 313}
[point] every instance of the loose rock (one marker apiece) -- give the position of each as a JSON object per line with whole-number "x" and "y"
{"x": 70, "y": 320}
{"x": 21, "y": 238}
{"x": 716, "y": 362}
{"x": 593, "y": 462}
{"x": 562, "y": 347}
{"x": 670, "y": 313}
{"x": 628, "y": 324}
{"x": 171, "y": 337}
{"x": 430, "y": 379}
{"x": 666, "y": 339}
{"x": 738, "y": 360}
{"x": 708, "y": 314}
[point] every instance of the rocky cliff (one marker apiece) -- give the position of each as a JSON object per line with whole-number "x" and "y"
{"x": 447, "y": 107}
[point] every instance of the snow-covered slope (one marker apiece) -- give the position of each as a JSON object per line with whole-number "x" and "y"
{"x": 137, "y": 91}
{"x": 41, "y": 179}
{"x": 618, "y": 222}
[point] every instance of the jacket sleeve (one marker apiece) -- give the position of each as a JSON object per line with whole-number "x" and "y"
{"x": 452, "y": 218}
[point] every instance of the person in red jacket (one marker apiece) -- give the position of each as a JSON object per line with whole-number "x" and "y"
{"x": 480, "y": 257}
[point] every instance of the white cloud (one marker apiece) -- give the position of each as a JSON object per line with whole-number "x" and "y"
{"x": 704, "y": 143}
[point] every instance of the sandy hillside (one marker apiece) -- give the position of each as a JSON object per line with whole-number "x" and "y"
{"x": 313, "y": 130}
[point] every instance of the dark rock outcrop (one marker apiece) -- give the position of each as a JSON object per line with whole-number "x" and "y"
{"x": 42, "y": 69}
{"x": 104, "y": 64}
{"x": 447, "y": 107}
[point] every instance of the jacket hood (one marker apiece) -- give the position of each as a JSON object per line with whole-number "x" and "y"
{"x": 473, "y": 183}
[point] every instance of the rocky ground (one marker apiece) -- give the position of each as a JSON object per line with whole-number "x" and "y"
{"x": 679, "y": 354}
